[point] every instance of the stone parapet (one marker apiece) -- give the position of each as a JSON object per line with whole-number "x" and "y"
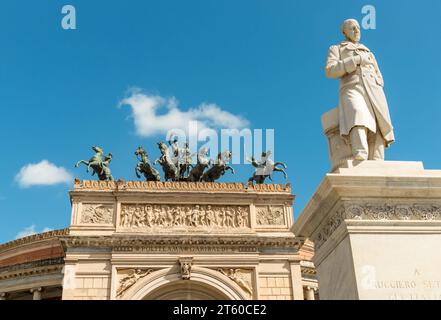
{"x": 154, "y": 186}
{"x": 179, "y": 208}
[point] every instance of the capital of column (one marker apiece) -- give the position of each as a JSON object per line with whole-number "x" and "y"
{"x": 309, "y": 292}
{"x": 39, "y": 289}
{"x": 36, "y": 293}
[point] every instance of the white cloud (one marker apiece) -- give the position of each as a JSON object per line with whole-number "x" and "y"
{"x": 154, "y": 115}
{"x": 29, "y": 231}
{"x": 43, "y": 173}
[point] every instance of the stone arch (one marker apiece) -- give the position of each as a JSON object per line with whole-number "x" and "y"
{"x": 168, "y": 285}
{"x": 186, "y": 290}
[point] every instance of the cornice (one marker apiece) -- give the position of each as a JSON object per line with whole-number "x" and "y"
{"x": 154, "y": 186}
{"x": 34, "y": 238}
{"x": 308, "y": 271}
{"x": 378, "y": 212}
{"x": 307, "y": 268}
{"x": 32, "y": 268}
{"x": 146, "y": 243}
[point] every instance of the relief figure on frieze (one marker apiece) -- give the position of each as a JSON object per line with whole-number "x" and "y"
{"x": 195, "y": 216}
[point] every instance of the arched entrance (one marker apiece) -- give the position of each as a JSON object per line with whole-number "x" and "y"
{"x": 204, "y": 284}
{"x": 186, "y": 290}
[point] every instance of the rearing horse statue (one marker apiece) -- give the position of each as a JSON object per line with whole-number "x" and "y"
{"x": 171, "y": 171}
{"x": 219, "y": 168}
{"x": 198, "y": 170}
{"x": 98, "y": 165}
{"x": 265, "y": 167}
{"x": 145, "y": 167}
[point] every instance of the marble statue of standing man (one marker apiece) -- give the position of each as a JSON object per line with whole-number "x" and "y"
{"x": 363, "y": 111}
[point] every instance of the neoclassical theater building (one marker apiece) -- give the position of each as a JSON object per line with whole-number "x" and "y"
{"x": 131, "y": 240}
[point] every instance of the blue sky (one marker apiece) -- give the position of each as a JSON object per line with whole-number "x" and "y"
{"x": 261, "y": 61}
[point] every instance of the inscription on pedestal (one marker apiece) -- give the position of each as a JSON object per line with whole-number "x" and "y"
{"x": 415, "y": 285}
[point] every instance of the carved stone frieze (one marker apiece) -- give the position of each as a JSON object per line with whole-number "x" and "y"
{"x": 269, "y": 215}
{"x": 129, "y": 278}
{"x": 135, "y": 216}
{"x": 240, "y": 276}
{"x": 377, "y": 211}
{"x": 96, "y": 213}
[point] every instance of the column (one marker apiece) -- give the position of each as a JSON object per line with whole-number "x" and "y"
{"x": 2, "y": 296}
{"x": 309, "y": 293}
{"x": 296, "y": 280}
{"x": 36, "y": 293}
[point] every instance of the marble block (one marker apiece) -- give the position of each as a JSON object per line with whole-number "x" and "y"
{"x": 339, "y": 150}
{"x": 376, "y": 228}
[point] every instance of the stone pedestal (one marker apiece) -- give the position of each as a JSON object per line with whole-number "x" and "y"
{"x": 376, "y": 227}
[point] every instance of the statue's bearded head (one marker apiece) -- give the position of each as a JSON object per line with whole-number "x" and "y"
{"x": 351, "y": 30}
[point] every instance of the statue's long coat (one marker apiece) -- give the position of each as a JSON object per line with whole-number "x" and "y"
{"x": 362, "y": 101}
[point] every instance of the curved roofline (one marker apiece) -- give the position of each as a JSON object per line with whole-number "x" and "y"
{"x": 34, "y": 238}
